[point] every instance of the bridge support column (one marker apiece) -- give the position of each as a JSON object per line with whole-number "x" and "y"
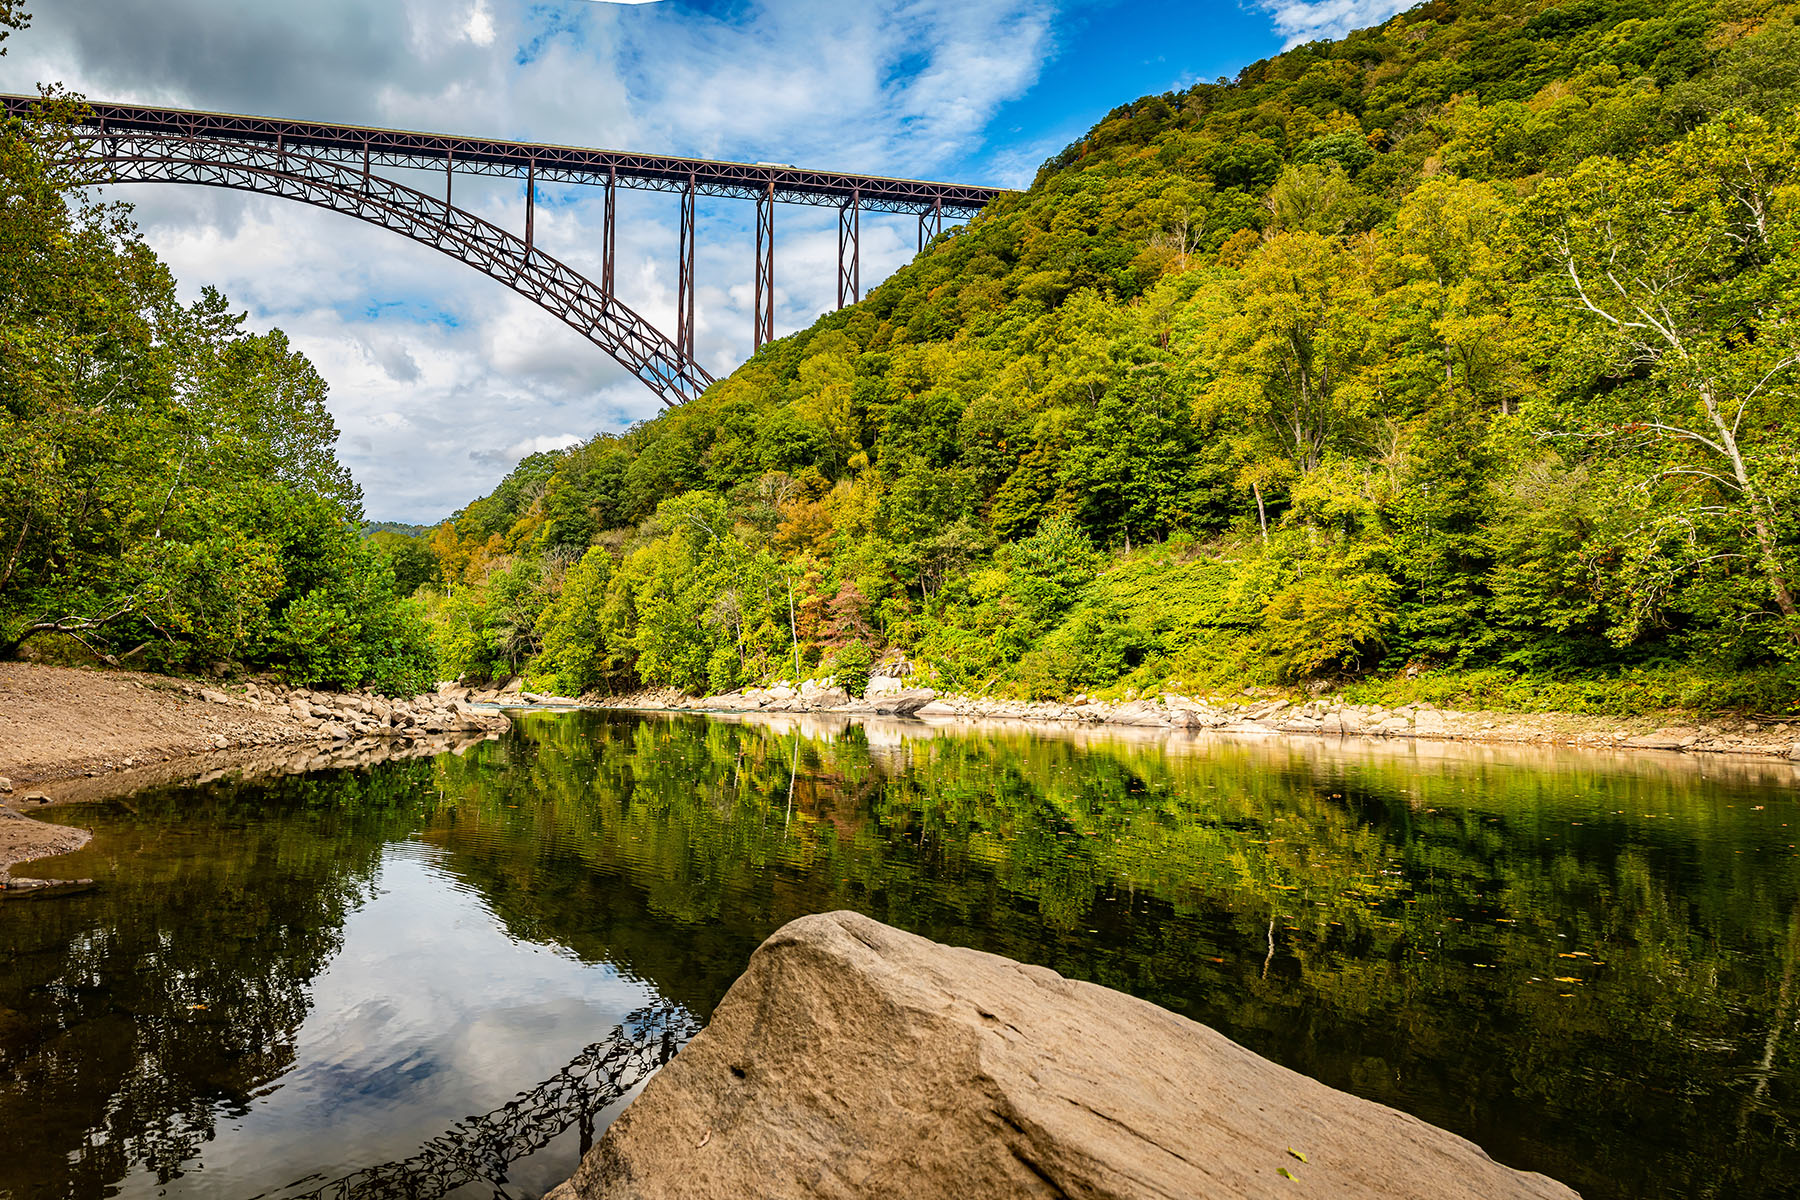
{"x": 849, "y": 250}
{"x": 608, "y": 236}
{"x": 931, "y": 223}
{"x": 530, "y": 201}
{"x": 764, "y": 314}
{"x": 449, "y": 174}
{"x": 684, "y": 292}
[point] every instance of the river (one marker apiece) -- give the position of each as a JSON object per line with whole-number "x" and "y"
{"x": 1585, "y": 962}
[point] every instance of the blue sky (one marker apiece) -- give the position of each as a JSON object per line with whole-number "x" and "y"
{"x": 442, "y": 379}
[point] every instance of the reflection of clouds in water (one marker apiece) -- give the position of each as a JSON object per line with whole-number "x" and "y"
{"x": 431, "y": 1011}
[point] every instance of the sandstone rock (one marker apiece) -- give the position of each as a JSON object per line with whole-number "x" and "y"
{"x": 937, "y": 708}
{"x": 902, "y": 704}
{"x": 1299, "y": 725}
{"x": 212, "y": 697}
{"x": 5, "y": 785}
{"x": 854, "y": 1060}
{"x": 1139, "y": 712}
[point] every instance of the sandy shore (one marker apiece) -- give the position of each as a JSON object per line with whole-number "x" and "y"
{"x": 23, "y": 839}
{"x": 60, "y": 723}
{"x": 70, "y": 735}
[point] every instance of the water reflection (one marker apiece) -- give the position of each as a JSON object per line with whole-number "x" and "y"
{"x": 1584, "y": 962}
{"x": 482, "y": 1149}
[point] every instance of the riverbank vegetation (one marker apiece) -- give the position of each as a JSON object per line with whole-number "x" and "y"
{"x": 169, "y": 493}
{"x": 1459, "y": 354}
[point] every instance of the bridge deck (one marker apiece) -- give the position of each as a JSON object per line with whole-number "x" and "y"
{"x": 552, "y": 164}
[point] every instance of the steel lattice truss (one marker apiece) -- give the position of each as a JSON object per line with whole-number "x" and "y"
{"x": 481, "y": 1148}
{"x": 355, "y": 144}
{"x": 331, "y": 166}
{"x": 429, "y": 220}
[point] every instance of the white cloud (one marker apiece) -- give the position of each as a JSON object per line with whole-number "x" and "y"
{"x": 480, "y": 26}
{"x": 1301, "y": 21}
{"x": 429, "y": 362}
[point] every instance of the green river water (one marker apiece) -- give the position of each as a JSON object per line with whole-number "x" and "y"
{"x": 1584, "y": 962}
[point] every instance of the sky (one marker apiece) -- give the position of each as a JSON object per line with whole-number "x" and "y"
{"x": 442, "y": 379}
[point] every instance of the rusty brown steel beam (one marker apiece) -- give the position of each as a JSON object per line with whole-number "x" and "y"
{"x": 763, "y": 306}
{"x": 667, "y": 369}
{"x": 684, "y": 292}
{"x": 931, "y": 224}
{"x": 552, "y": 164}
{"x": 849, "y": 269}
{"x": 609, "y": 238}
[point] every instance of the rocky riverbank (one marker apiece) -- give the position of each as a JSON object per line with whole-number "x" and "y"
{"x": 61, "y": 723}
{"x": 1325, "y": 716}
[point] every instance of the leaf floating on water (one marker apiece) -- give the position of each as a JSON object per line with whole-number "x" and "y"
{"x": 1567, "y": 979}
{"x": 1296, "y": 1154}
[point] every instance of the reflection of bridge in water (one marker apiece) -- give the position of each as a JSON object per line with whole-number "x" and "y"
{"x": 331, "y": 166}
{"x": 480, "y": 1149}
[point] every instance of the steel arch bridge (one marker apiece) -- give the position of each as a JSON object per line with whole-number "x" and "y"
{"x": 333, "y": 167}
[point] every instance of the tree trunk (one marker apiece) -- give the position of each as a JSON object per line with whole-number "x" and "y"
{"x": 1760, "y": 517}
{"x": 793, "y": 631}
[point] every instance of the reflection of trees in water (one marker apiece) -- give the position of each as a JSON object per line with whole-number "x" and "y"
{"x": 1397, "y": 931}
{"x": 164, "y": 1000}
{"x": 1511, "y": 951}
{"x": 480, "y": 1149}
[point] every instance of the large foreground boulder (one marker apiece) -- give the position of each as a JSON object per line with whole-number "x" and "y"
{"x": 854, "y": 1060}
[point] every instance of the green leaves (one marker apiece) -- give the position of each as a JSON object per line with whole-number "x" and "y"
{"x": 1469, "y": 341}
{"x": 169, "y": 491}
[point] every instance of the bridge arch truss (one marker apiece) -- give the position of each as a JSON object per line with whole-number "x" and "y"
{"x": 332, "y": 166}
{"x": 579, "y": 302}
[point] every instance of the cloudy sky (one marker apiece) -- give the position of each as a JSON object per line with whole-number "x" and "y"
{"x": 441, "y": 379}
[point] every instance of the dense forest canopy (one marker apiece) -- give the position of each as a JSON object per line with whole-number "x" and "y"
{"x": 169, "y": 492}
{"x": 1465, "y": 344}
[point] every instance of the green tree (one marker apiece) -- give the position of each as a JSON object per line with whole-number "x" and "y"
{"x": 1678, "y": 268}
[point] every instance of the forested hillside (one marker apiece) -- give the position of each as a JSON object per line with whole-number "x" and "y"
{"x": 169, "y": 492}
{"x": 1465, "y": 345}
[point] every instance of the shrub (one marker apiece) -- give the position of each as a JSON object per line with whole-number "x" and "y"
{"x": 852, "y": 668}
